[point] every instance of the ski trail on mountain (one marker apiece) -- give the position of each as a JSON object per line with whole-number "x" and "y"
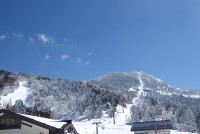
{"x": 20, "y": 93}
{"x": 140, "y": 91}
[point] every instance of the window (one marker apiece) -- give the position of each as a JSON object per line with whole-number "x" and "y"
{"x": 70, "y": 130}
{"x": 12, "y": 122}
{"x": 9, "y": 123}
{"x": 2, "y": 122}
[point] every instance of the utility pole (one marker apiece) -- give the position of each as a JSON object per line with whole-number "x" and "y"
{"x": 155, "y": 127}
{"x": 123, "y": 109}
{"x": 97, "y": 125}
{"x": 113, "y": 117}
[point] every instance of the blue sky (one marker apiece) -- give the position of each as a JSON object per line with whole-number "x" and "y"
{"x": 81, "y": 40}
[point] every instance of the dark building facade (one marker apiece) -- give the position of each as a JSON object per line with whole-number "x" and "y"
{"x": 152, "y": 127}
{"x": 20, "y": 124}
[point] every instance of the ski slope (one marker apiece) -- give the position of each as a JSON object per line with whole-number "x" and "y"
{"x": 140, "y": 90}
{"x": 20, "y": 93}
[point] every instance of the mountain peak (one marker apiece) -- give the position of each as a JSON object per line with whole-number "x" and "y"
{"x": 130, "y": 75}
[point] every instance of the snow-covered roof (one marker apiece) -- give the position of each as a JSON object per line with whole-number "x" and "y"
{"x": 50, "y": 122}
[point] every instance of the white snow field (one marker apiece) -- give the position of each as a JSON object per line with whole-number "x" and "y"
{"x": 122, "y": 116}
{"x": 140, "y": 90}
{"x": 89, "y": 128}
{"x": 20, "y": 93}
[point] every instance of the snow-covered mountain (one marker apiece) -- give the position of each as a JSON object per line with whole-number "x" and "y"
{"x": 140, "y": 82}
{"x": 61, "y": 98}
{"x": 145, "y": 96}
{"x": 152, "y": 98}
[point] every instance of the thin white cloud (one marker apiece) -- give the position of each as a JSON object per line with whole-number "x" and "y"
{"x": 18, "y": 35}
{"x": 86, "y": 63}
{"x": 65, "y": 40}
{"x": 46, "y": 57}
{"x": 44, "y": 38}
{"x": 90, "y": 53}
{"x": 31, "y": 39}
{"x": 58, "y": 74}
{"x": 79, "y": 60}
{"x": 3, "y": 37}
{"x": 64, "y": 57}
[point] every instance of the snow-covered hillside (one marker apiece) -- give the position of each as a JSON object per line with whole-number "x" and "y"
{"x": 143, "y": 97}
{"x": 21, "y": 92}
{"x": 106, "y": 125}
{"x": 134, "y": 81}
{"x": 141, "y": 90}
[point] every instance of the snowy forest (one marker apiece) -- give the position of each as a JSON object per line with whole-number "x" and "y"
{"x": 150, "y": 97}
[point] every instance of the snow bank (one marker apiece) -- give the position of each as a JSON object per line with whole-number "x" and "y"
{"x": 177, "y": 132}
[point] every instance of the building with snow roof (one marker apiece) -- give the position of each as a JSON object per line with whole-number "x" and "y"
{"x": 12, "y": 123}
{"x": 152, "y": 127}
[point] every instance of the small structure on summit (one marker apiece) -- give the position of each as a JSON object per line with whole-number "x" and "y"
{"x": 152, "y": 127}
